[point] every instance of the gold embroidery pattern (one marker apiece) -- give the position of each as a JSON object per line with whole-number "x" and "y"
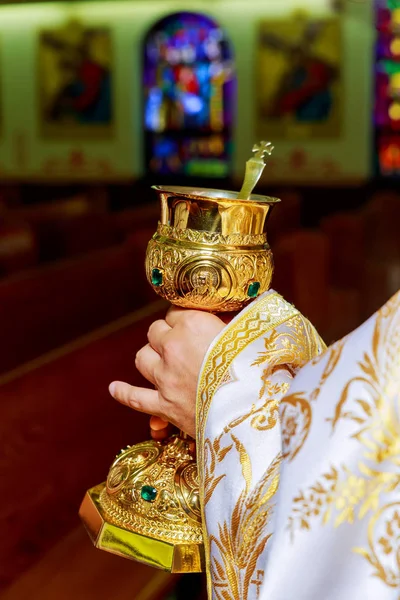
{"x": 384, "y": 544}
{"x": 298, "y": 346}
{"x": 248, "y": 327}
{"x": 289, "y": 350}
{"x": 341, "y": 495}
{"x": 332, "y": 357}
{"x": 296, "y": 418}
{"x": 242, "y": 540}
{"x": 295, "y": 344}
{"x": 228, "y": 377}
{"x": 296, "y": 410}
{"x": 267, "y": 416}
{"x": 215, "y": 452}
{"x": 261, "y": 318}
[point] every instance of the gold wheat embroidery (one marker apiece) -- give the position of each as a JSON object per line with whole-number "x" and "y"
{"x": 242, "y": 539}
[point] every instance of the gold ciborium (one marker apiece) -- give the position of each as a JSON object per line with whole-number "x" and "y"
{"x": 210, "y": 252}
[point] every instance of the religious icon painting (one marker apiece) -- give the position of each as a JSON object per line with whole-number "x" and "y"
{"x": 76, "y": 82}
{"x": 299, "y": 78}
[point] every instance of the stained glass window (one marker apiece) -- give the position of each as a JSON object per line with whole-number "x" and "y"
{"x": 189, "y": 97}
{"x": 387, "y": 88}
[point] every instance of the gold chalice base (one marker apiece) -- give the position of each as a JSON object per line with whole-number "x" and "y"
{"x": 175, "y": 558}
{"x": 148, "y": 509}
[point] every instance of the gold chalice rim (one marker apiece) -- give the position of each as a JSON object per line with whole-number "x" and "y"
{"x": 213, "y": 194}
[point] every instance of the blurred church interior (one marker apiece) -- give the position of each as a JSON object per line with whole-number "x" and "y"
{"x": 100, "y": 100}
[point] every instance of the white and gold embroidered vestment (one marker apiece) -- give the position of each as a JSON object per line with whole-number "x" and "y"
{"x": 299, "y": 458}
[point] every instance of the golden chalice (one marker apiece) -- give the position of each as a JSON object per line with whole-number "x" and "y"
{"x": 210, "y": 252}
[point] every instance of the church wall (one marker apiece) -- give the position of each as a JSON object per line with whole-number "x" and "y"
{"x": 24, "y": 152}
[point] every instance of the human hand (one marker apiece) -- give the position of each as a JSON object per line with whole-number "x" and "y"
{"x": 171, "y": 361}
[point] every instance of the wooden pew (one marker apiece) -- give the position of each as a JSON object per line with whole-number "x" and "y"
{"x": 381, "y": 273}
{"x": 347, "y": 236}
{"x": 60, "y": 430}
{"x": 130, "y": 220}
{"x": 67, "y": 228}
{"x": 285, "y": 217}
{"x": 382, "y": 217}
{"x": 18, "y": 247}
{"x": 381, "y": 281}
{"x": 51, "y": 305}
{"x": 302, "y": 273}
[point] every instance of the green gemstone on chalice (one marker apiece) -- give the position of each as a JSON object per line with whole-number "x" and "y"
{"x": 156, "y": 277}
{"x": 148, "y": 493}
{"x": 253, "y": 289}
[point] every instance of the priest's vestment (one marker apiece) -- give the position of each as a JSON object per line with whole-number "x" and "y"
{"x": 299, "y": 457}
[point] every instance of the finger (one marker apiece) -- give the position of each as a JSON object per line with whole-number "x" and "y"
{"x": 141, "y": 399}
{"x": 175, "y": 315}
{"x": 162, "y": 434}
{"x": 156, "y": 423}
{"x": 147, "y": 361}
{"x": 156, "y": 334}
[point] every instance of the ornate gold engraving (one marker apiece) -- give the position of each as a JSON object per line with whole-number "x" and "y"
{"x": 210, "y": 250}
{"x": 167, "y": 468}
{"x": 210, "y": 238}
{"x": 212, "y": 279}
